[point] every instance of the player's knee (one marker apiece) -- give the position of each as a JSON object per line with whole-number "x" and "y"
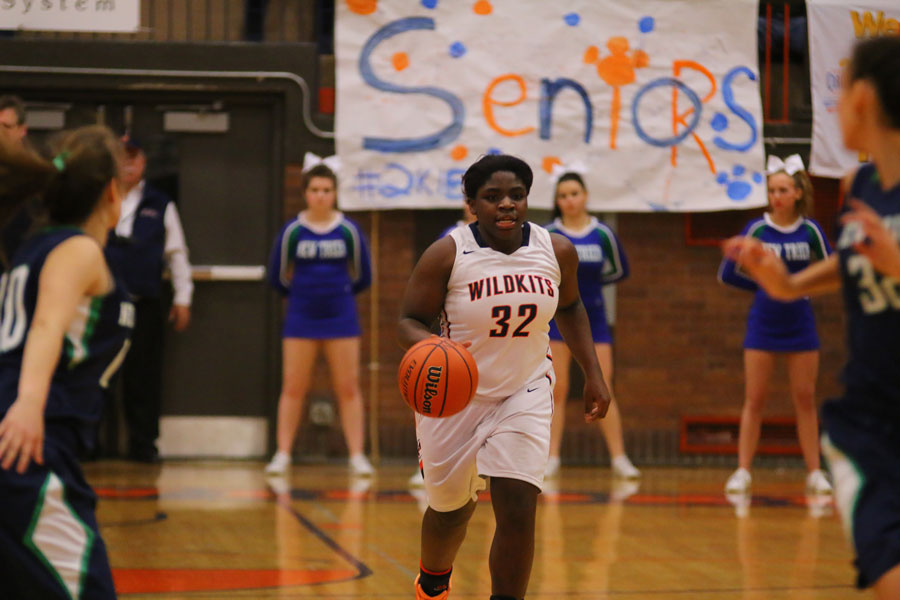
{"x": 347, "y": 389}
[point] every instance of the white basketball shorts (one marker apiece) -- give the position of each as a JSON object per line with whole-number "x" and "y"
{"x": 489, "y": 438}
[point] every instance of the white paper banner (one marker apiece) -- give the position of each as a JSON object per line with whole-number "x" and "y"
{"x": 658, "y": 98}
{"x": 834, "y": 26}
{"x": 71, "y": 15}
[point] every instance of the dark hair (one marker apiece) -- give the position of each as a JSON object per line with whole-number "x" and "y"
{"x": 15, "y": 103}
{"x": 482, "y": 169}
{"x": 567, "y": 176}
{"x": 877, "y": 61}
{"x": 85, "y": 161}
{"x": 319, "y": 171}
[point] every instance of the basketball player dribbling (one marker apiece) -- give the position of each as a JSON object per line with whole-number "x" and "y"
{"x": 862, "y": 439}
{"x": 495, "y": 284}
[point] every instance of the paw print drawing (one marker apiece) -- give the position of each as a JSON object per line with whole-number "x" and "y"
{"x": 736, "y": 186}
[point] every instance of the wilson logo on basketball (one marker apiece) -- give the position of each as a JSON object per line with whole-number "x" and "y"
{"x": 437, "y": 377}
{"x": 432, "y": 379}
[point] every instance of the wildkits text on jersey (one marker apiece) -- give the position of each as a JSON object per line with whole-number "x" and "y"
{"x": 509, "y": 284}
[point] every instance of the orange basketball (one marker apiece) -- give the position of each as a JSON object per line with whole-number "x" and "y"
{"x": 437, "y": 377}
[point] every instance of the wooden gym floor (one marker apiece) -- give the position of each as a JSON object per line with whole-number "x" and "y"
{"x": 219, "y": 530}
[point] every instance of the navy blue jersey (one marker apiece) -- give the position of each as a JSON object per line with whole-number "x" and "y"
{"x": 772, "y": 324}
{"x": 601, "y": 260}
{"x": 872, "y": 303}
{"x": 94, "y": 344}
{"x": 320, "y": 269}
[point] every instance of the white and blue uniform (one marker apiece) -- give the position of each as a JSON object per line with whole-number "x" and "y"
{"x": 447, "y": 231}
{"x": 601, "y": 261}
{"x": 773, "y": 325}
{"x": 502, "y": 304}
{"x": 862, "y": 443}
{"x": 50, "y": 546}
{"x": 320, "y": 269}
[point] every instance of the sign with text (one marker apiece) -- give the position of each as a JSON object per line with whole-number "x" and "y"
{"x": 656, "y": 100}
{"x": 71, "y": 15}
{"x": 834, "y": 26}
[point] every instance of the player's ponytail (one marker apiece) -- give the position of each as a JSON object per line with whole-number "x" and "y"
{"x": 85, "y": 161}
{"x": 877, "y": 61}
{"x": 23, "y": 175}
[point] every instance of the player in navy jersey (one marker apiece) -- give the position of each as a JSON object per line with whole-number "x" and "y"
{"x": 862, "y": 439}
{"x": 495, "y": 285}
{"x": 781, "y": 329}
{"x": 64, "y": 326}
{"x": 601, "y": 261}
{"x": 320, "y": 262}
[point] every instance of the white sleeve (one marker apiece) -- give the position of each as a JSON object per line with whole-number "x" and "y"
{"x": 176, "y": 254}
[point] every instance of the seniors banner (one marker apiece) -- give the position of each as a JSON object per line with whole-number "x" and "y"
{"x": 656, "y": 101}
{"x": 834, "y": 26}
{"x": 71, "y": 15}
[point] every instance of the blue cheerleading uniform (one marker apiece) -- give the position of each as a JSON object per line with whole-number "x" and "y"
{"x": 773, "y": 325}
{"x": 862, "y": 444}
{"x": 50, "y": 546}
{"x": 320, "y": 269}
{"x": 601, "y": 261}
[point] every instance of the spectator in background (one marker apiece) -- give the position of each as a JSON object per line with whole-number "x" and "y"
{"x": 147, "y": 240}
{"x": 17, "y": 218}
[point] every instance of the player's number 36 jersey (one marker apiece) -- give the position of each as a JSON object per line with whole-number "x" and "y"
{"x": 503, "y": 304}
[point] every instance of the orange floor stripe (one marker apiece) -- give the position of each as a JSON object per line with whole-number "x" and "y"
{"x": 149, "y": 581}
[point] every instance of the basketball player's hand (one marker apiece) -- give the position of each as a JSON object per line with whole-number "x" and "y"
{"x": 764, "y": 266}
{"x": 180, "y": 316}
{"x": 875, "y": 240}
{"x": 22, "y": 436}
{"x": 596, "y": 400}
{"x": 465, "y": 344}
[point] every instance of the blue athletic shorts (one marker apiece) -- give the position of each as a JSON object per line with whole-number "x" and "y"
{"x": 863, "y": 455}
{"x": 50, "y": 546}
{"x": 599, "y": 328}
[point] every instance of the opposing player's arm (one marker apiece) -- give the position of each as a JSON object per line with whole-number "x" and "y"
{"x": 770, "y": 272}
{"x": 426, "y": 291}
{"x": 74, "y": 269}
{"x": 573, "y": 324}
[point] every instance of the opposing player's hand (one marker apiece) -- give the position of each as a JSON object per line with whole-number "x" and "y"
{"x": 22, "y": 436}
{"x": 180, "y": 316}
{"x": 763, "y": 265}
{"x": 875, "y": 240}
{"x": 596, "y": 400}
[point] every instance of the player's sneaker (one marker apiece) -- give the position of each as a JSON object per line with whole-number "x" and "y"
{"x": 361, "y": 466}
{"x": 551, "y": 469}
{"x": 817, "y": 483}
{"x": 279, "y": 464}
{"x": 622, "y": 467}
{"x": 421, "y": 595}
{"x": 739, "y": 482}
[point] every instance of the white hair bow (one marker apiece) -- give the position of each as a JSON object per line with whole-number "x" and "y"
{"x": 311, "y": 160}
{"x": 789, "y": 165}
{"x": 559, "y": 170}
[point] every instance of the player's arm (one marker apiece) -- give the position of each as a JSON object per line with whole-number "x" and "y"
{"x": 426, "y": 291}
{"x": 573, "y": 324}
{"x": 877, "y": 243}
{"x": 770, "y": 272}
{"x": 74, "y": 269}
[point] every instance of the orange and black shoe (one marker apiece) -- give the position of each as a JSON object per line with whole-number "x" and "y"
{"x": 421, "y": 595}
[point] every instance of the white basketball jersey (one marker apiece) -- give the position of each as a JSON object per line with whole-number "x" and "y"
{"x": 503, "y": 304}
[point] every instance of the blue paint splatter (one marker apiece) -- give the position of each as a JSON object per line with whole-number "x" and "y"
{"x": 572, "y": 19}
{"x": 719, "y": 122}
{"x": 738, "y": 189}
{"x": 429, "y": 3}
{"x": 757, "y": 177}
{"x": 457, "y": 49}
{"x": 646, "y": 24}
{"x": 494, "y": 151}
